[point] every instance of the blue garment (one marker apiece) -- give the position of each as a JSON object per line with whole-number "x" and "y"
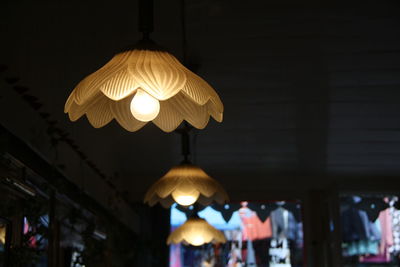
{"x": 371, "y": 231}
{"x": 352, "y": 225}
{"x": 283, "y": 227}
{"x": 359, "y": 234}
{"x": 362, "y": 247}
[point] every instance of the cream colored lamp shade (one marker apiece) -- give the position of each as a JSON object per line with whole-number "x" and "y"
{"x": 185, "y": 184}
{"x": 196, "y": 232}
{"x": 139, "y": 85}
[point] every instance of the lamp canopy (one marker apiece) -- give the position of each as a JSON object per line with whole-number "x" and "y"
{"x": 142, "y": 84}
{"x": 185, "y": 184}
{"x": 196, "y": 231}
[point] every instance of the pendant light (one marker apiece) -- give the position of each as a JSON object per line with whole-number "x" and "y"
{"x": 196, "y": 232}
{"x": 142, "y": 84}
{"x": 186, "y": 183}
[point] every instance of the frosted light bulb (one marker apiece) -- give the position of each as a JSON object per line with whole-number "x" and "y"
{"x": 185, "y": 200}
{"x": 144, "y": 107}
{"x": 197, "y": 240}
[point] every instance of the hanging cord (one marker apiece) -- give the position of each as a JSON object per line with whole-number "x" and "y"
{"x": 195, "y": 211}
{"x": 183, "y": 29}
{"x": 187, "y": 144}
{"x": 146, "y": 18}
{"x": 184, "y": 131}
{"x": 194, "y": 146}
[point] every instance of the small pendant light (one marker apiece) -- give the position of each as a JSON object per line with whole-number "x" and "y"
{"x": 196, "y": 232}
{"x": 186, "y": 183}
{"x": 142, "y": 84}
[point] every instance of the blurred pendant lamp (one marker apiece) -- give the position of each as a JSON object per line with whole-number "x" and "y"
{"x": 186, "y": 183}
{"x": 144, "y": 83}
{"x": 196, "y": 231}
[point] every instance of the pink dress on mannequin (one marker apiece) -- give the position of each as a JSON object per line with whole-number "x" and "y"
{"x": 385, "y": 220}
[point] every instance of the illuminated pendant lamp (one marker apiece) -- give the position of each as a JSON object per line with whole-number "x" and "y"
{"x": 186, "y": 183}
{"x": 196, "y": 232}
{"x": 142, "y": 84}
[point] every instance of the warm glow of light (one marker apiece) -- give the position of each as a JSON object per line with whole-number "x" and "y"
{"x": 158, "y": 83}
{"x": 144, "y": 107}
{"x": 196, "y": 232}
{"x": 185, "y": 184}
{"x": 185, "y": 200}
{"x": 2, "y": 234}
{"x": 197, "y": 240}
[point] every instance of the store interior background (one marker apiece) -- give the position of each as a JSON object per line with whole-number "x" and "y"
{"x": 311, "y": 92}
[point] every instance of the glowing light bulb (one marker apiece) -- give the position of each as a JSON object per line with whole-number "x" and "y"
{"x": 197, "y": 240}
{"x": 185, "y": 200}
{"x": 196, "y": 232}
{"x": 144, "y": 107}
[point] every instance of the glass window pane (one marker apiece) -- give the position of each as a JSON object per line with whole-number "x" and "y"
{"x": 258, "y": 234}
{"x": 370, "y": 230}
{"x": 3, "y": 242}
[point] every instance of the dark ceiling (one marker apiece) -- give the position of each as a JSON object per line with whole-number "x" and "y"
{"x": 311, "y": 90}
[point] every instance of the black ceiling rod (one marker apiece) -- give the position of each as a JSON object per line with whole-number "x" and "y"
{"x": 185, "y": 141}
{"x": 183, "y": 28}
{"x": 195, "y": 211}
{"x": 146, "y": 18}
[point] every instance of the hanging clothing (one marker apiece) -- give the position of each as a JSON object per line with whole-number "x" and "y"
{"x": 395, "y": 248}
{"x": 284, "y": 224}
{"x": 356, "y": 226}
{"x": 253, "y": 227}
{"x": 360, "y": 235}
{"x": 235, "y": 256}
{"x": 372, "y": 229}
{"x": 261, "y": 247}
{"x": 234, "y": 235}
{"x": 235, "y": 251}
{"x": 361, "y": 247}
{"x": 385, "y": 221}
{"x": 208, "y": 258}
{"x": 175, "y": 255}
{"x": 352, "y": 225}
{"x": 251, "y": 255}
{"x": 372, "y": 206}
{"x": 387, "y": 233}
{"x": 299, "y": 242}
{"x": 279, "y": 253}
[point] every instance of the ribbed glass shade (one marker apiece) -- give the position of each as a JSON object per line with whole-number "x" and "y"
{"x": 185, "y": 184}
{"x": 196, "y": 232}
{"x": 181, "y": 95}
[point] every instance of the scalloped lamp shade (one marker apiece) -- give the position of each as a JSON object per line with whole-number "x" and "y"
{"x": 196, "y": 232}
{"x": 185, "y": 184}
{"x": 138, "y": 86}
